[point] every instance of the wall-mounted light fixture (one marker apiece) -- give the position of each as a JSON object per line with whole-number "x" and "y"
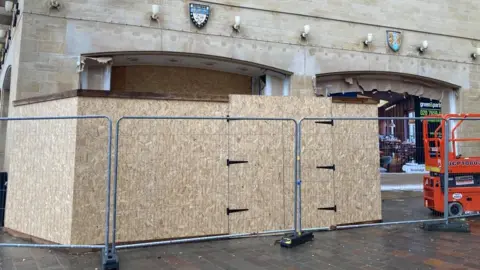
{"x": 476, "y": 54}
{"x": 54, "y": 4}
{"x": 8, "y": 5}
{"x": 369, "y": 39}
{"x": 306, "y": 31}
{"x": 423, "y": 47}
{"x": 236, "y": 26}
{"x": 2, "y": 33}
{"x": 155, "y": 12}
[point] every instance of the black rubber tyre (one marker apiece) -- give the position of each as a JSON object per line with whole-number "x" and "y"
{"x": 435, "y": 213}
{"x": 455, "y": 209}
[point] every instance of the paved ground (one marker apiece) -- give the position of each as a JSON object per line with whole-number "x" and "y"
{"x": 386, "y": 247}
{"x": 401, "y": 181}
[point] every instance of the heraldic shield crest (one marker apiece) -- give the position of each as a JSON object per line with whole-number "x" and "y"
{"x": 394, "y": 40}
{"x": 199, "y": 14}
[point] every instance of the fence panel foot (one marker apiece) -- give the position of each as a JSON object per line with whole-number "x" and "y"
{"x": 110, "y": 261}
{"x": 455, "y": 226}
{"x": 293, "y": 240}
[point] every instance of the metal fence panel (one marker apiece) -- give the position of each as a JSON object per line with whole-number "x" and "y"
{"x": 462, "y": 173}
{"x": 48, "y": 148}
{"x": 349, "y": 175}
{"x": 209, "y": 177}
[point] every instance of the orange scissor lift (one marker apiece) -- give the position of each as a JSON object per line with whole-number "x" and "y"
{"x": 463, "y": 172}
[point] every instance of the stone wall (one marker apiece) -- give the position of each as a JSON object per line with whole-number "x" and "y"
{"x": 269, "y": 38}
{"x": 54, "y": 39}
{"x": 441, "y": 17}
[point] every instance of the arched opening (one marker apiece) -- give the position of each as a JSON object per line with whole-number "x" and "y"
{"x": 399, "y": 95}
{"x": 172, "y": 73}
{"x": 4, "y": 104}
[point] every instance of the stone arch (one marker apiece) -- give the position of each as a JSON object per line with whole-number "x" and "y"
{"x": 392, "y": 89}
{"x": 7, "y": 79}
{"x": 270, "y": 80}
{"x": 382, "y": 81}
{"x": 4, "y": 104}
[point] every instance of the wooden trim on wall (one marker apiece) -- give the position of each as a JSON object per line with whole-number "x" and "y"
{"x": 353, "y": 100}
{"x": 113, "y": 94}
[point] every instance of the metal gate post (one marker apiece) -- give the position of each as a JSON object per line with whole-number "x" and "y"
{"x": 446, "y": 153}
{"x": 296, "y": 182}
{"x": 298, "y": 236}
{"x": 109, "y": 257}
{"x": 299, "y": 178}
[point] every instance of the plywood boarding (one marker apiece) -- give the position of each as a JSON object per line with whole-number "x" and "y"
{"x": 179, "y": 80}
{"x": 258, "y": 184}
{"x": 172, "y": 174}
{"x": 41, "y": 171}
{"x": 317, "y": 184}
{"x": 266, "y": 151}
{"x": 356, "y": 155}
{"x": 174, "y": 182}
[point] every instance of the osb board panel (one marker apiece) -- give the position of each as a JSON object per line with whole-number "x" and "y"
{"x": 41, "y": 171}
{"x": 317, "y": 184}
{"x": 118, "y": 79}
{"x": 172, "y": 174}
{"x": 356, "y": 156}
{"x": 180, "y": 80}
{"x": 258, "y": 184}
{"x": 149, "y": 205}
{"x": 90, "y": 181}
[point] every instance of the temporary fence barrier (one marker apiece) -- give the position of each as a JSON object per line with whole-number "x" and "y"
{"x": 345, "y": 155}
{"x": 462, "y": 166}
{"x": 316, "y": 163}
{"x": 327, "y": 140}
{"x": 36, "y": 154}
{"x": 183, "y": 144}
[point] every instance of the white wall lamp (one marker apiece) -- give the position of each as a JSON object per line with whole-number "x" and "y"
{"x": 236, "y": 26}
{"x": 476, "y": 54}
{"x": 306, "y": 31}
{"x": 155, "y": 12}
{"x": 423, "y": 47}
{"x": 369, "y": 39}
{"x": 8, "y": 5}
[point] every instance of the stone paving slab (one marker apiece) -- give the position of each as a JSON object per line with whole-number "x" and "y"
{"x": 385, "y": 247}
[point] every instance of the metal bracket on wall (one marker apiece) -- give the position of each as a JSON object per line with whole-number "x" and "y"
{"x": 230, "y": 162}
{"x": 327, "y": 167}
{"x": 334, "y": 208}
{"x": 229, "y": 211}
{"x": 330, "y": 122}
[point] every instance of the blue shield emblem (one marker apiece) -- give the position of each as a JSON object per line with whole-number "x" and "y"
{"x": 199, "y": 14}
{"x": 394, "y": 40}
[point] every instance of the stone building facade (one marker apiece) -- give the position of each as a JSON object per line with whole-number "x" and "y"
{"x": 48, "y": 47}
{"x": 119, "y": 48}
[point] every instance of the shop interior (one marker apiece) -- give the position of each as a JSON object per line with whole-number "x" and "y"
{"x": 400, "y": 141}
